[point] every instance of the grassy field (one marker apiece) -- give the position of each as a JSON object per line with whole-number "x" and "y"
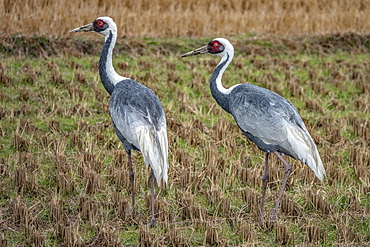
{"x": 63, "y": 172}
{"x": 64, "y": 180}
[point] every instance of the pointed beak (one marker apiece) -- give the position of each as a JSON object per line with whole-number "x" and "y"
{"x": 198, "y": 51}
{"x": 86, "y": 28}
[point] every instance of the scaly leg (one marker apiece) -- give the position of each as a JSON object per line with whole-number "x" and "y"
{"x": 288, "y": 169}
{"x": 151, "y": 177}
{"x": 265, "y": 179}
{"x": 132, "y": 182}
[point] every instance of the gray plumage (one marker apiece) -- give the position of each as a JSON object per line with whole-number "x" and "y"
{"x": 138, "y": 117}
{"x": 266, "y": 118}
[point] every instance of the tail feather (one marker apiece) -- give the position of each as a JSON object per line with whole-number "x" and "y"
{"x": 316, "y": 165}
{"x": 306, "y": 151}
{"x": 154, "y": 147}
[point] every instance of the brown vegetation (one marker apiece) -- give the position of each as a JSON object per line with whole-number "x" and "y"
{"x": 188, "y": 18}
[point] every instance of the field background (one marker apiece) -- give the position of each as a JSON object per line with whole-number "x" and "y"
{"x": 63, "y": 172}
{"x": 188, "y": 18}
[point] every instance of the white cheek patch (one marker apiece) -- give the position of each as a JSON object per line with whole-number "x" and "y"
{"x": 226, "y": 90}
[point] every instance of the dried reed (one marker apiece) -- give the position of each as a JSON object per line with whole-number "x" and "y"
{"x": 158, "y": 18}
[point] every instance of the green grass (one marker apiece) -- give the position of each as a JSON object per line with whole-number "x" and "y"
{"x": 55, "y": 129}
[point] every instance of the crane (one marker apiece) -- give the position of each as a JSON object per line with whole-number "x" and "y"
{"x": 136, "y": 112}
{"x": 265, "y": 118}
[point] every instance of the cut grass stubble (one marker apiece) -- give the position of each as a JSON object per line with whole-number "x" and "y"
{"x": 63, "y": 171}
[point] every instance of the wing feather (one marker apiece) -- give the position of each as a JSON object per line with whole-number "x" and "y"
{"x": 260, "y": 114}
{"x": 140, "y": 119}
{"x": 274, "y": 125}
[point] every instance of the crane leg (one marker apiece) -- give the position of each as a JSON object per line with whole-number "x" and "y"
{"x": 265, "y": 179}
{"x": 288, "y": 169}
{"x": 132, "y": 182}
{"x": 151, "y": 178}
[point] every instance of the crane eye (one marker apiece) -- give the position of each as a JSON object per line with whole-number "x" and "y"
{"x": 215, "y": 47}
{"x": 98, "y": 24}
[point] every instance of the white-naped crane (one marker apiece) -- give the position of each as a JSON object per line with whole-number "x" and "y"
{"x": 266, "y": 118}
{"x": 137, "y": 114}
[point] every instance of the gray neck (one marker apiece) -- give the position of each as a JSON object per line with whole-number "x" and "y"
{"x": 105, "y": 63}
{"x": 216, "y": 85}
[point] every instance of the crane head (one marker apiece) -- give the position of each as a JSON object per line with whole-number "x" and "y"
{"x": 100, "y": 25}
{"x": 217, "y": 46}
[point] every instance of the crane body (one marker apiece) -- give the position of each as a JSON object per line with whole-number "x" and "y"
{"x": 265, "y": 118}
{"x": 137, "y": 115}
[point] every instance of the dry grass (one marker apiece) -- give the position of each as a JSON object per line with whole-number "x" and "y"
{"x": 188, "y": 18}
